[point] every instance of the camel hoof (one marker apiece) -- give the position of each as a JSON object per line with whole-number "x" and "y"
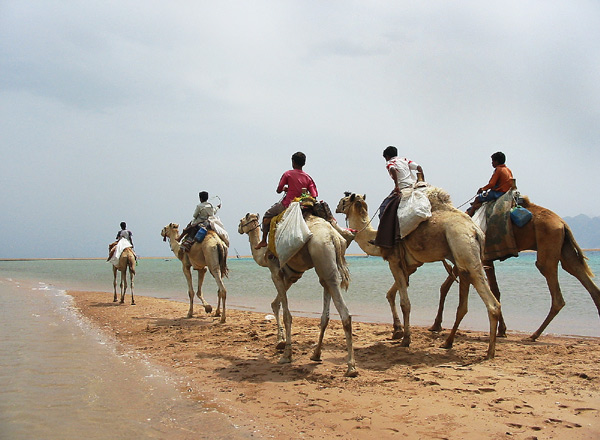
{"x": 189, "y": 315}
{"x": 446, "y": 345}
{"x": 285, "y": 360}
{"x": 280, "y": 345}
{"x": 435, "y": 328}
{"x": 315, "y": 358}
{"x": 398, "y": 334}
{"x": 352, "y": 372}
{"x": 208, "y": 309}
{"x": 405, "y": 342}
{"x": 222, "y": 320}
{"x": 133, "y": 304}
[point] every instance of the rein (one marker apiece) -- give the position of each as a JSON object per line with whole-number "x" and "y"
{"x": 368, "y": 223}
{"x": 250, "y": 222}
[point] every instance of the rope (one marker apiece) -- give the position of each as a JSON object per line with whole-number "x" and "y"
{"x": 458, "y": 207}
{"x": 367, "y": 225}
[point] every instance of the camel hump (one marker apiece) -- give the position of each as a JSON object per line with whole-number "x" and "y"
{"x": 439, "y": 198}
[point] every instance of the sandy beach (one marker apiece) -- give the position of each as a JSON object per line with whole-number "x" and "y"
{"x": 542, "y": 390}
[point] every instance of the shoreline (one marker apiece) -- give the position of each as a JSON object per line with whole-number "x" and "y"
{"x": 546, "y": 389}
{"x": 172, "y": 257}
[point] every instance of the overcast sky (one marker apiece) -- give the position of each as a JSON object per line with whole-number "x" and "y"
{"x": 124, "y": 110}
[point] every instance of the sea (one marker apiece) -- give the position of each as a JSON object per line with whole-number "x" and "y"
{"x": 63, "y": 378}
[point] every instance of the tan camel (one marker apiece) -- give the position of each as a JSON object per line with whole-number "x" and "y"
{"x": 325, "y": 252}
{"x": 553, "y": 240}
{"x": 126, "y": 261}
{"x": 448, "y": 235}
{"x": 211, "y": 253}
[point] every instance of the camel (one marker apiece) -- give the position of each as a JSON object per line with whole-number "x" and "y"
{"x": 211, "y": 253}
{"x": 325, "y": 252}
{"x": 126, "y": 261}
{"x": 553, "y": 240}
{"x": 448, "y": 234}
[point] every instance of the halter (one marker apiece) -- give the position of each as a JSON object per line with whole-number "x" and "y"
{"x": 366, "y": 225}
{"x": 254, "y": 220}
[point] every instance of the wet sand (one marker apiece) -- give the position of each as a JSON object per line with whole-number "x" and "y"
{"x": 541, "y": 390}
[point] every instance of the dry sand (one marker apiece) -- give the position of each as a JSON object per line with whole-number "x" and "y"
{"x": 549, "y": 389}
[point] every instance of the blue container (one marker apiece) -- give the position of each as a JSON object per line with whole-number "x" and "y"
{"x": 520, "y": 216}
{"x": 200, "y": 235}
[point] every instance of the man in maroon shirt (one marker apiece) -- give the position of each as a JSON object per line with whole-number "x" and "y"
{"x": 293, "y": 182}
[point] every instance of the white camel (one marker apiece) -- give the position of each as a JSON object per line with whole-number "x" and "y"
{"x": 211, "y": 253}
{"x": 448, "y": 235}
{"x": 126, "y": 261}
{"x": 325, "y": 252}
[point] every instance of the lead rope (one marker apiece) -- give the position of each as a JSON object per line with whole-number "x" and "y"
{"x": 366, "y": 226}
{"x": 458, "y": 207}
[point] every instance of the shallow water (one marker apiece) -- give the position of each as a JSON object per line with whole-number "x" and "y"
{"x": 62, "y": 379}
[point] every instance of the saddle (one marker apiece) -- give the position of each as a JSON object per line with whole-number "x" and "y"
{"x": 500, "y": 242}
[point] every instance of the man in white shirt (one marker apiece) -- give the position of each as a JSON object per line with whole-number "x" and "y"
{"x": 401, "y": 171}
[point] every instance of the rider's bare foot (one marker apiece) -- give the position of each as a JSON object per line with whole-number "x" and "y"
{"x": 262, "y": 244}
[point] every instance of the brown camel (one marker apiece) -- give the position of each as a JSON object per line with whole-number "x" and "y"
{"x": 553, "y": 240}
{"x": 211, "y": 253}
{"x": 448, "y": 235}
{"x": 325, "y": 252}
{"x": 126, "y": 261}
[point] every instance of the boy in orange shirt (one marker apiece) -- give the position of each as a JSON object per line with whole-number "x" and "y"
{"x": 500, "y": 183}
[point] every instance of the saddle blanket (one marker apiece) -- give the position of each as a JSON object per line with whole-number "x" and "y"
{"x": 121, "y": 245}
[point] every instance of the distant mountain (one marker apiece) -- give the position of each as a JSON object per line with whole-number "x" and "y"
{"x": 586, "y": 230}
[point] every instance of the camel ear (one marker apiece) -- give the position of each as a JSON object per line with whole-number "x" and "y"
{"x": 364, "y": 197}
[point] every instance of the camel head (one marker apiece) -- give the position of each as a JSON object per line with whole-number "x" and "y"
{"x": 248, "y": 223}
{"x": 351, "y": 201}
{"x": 170, "y": 231}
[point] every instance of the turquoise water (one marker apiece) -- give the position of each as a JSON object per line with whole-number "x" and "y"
{"x": 62, "y": 378}
{"x": 525, "y": 297}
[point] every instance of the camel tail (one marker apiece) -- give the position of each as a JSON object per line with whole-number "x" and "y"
{"x": 131, "y": 263}
{"x": 223, "y": 259}
{"x": 570, "y": 246}
{"x": 340, "y": 250}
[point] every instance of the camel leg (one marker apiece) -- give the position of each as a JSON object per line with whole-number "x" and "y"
{"x": 397, "y": 332}
{"x": 222, "y": 292}
{"x": 492, "y": 305}
{"x": 206, "y": 305}
{"x": 444, "y": 289}
{"x": 123, "y": 285}
{"x": 187, "y": 271}
{"x": 316, "y": 356}
{"x": 115, "y": 283}
{"x": 286, "y": 357}
{"x": 275, "y": 306}
{"x": 132, "y": 276}
{"x": 461, "y": 310}
{"x": 281, "y": 286}
{"x": 402, "y": 285}
{"x": 340, "y": 305}
{"x": 490, "y": 272}
{"x": 570, "y": 262}
{"x": 550, "y": 272}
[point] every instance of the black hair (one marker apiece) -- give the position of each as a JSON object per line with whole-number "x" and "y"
{"x": 299, "y": 158}
{"x": 203, "y": 196}
{"x": 499, "y": 157}
{"x": 390, "y": 152}
{"x": 123, "y": 225}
